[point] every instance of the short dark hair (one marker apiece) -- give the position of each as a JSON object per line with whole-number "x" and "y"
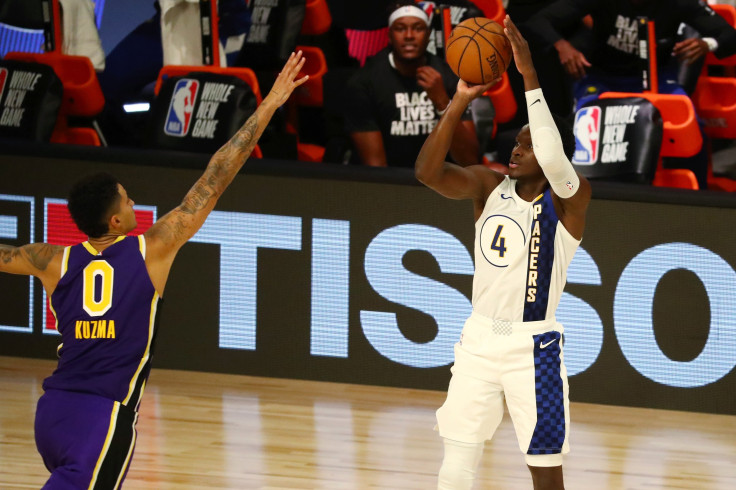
{"x": 566, "y": 134}
{"x": 92, "y": 201}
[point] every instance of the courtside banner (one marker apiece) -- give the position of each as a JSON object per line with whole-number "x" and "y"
{"x": 303, "y": 275}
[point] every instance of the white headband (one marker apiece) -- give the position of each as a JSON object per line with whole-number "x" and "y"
{"x": 408, "y": 11}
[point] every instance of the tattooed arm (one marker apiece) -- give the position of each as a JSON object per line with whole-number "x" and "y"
{"x": 168, "y": 234}
{"x": 37, "y": 259}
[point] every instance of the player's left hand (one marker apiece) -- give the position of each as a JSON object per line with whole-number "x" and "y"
{"x": 522, "y": 54}
{"x": 468, "y": 91}
{"x": 431, "y": 81}
{"x": 690, "y": 50}
{"x": 286, "y": 82}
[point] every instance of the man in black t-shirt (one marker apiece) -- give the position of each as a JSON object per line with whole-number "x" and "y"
{"x": 460, "y": 10}
{"x": 614, "y": 50}
{"x": 393, "y": 103}
{"x": 613, "y": 63}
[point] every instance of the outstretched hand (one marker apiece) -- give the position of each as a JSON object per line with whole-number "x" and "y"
{"x": 522, "y": 54}
{"x": 286, "y": 81}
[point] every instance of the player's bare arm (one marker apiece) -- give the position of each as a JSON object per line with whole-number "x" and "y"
{"x": 36, "y": 259}
{"x": 464, "y": 147}
{"x": 174, "y": 229}
{"x": 475, "y": 182}
{"x": 571, "y": 198}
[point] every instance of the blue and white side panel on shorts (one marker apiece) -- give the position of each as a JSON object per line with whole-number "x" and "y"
{"x": 549, "y": 433}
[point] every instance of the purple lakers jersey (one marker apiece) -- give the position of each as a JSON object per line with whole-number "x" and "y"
{"x": 105, "y": 307}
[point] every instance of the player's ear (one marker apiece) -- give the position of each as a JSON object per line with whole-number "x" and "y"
{"x": 114, "y": 222}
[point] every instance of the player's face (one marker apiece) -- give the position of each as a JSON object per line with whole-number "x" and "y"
{"x": 523, "y": 162}
{"x": 409, "y": 37}
{"x": 125, "y": 212}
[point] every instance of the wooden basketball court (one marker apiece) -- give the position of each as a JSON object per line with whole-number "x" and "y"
{"x": 214, "y": 431}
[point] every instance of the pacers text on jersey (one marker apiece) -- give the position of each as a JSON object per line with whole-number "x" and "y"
{"x": 531, "y": 282}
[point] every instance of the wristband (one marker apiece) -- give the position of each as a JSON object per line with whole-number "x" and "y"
{"x": 441, "y": 112}
{"x": 712, "y": 43}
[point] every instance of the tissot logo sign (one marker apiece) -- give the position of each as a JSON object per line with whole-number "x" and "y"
{"x": 278, "y": 286}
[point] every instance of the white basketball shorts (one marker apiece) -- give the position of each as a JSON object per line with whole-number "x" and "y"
{"x": 522, "y": 361}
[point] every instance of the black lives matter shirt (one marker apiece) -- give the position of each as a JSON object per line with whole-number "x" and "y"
{"x": 615, "y": 49}
{"x": 378, "y": 98}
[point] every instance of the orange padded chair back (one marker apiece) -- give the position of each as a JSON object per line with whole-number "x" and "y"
{"x": 715, "y": 97}
{"x": 310, "y": 93}
{"x": 503, "y": 100}
{"x": 245, "y": 74}
{"x": 680, "y": 178}
{"x": 317, "y": 18}
{"x": 492, "y": 9}
{"x": 681, "y": 136}
{"x": 82, "y": 92}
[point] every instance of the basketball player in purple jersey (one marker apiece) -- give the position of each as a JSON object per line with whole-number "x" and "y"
{"x": 528, "y": 226}
{"x": 104, "y": 293}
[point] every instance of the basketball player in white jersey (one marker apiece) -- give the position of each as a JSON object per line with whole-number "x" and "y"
{"x": 528, "y": 226}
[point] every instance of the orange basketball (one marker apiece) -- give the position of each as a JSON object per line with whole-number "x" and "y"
{"x": 478, "y": 51}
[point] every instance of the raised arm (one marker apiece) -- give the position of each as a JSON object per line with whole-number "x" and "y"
{"x": 464, "y": 148}
{"x": 475, "y": 182}
{"x": 570, "y": 189}
{"x": 37, "y": 259}
{"x": 716, "y": 33}
{"x": 169, "y": 233}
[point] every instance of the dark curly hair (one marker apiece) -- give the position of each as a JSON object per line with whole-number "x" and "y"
{"x": 92, "y": 200}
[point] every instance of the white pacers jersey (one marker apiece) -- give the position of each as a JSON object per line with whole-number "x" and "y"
{"x": 522, "y": 252}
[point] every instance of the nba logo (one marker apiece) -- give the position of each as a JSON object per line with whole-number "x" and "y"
{"x": 181, "y": 107}
{"x": 587, "y": 130}
{"x": 3, "y": 79}
{"x": 427, "y": 8}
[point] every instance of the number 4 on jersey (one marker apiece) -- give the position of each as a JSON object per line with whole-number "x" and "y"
{"x": 499, "y": 242}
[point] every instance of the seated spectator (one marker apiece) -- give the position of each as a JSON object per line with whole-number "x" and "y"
{"x": 460, "y": 10}
{"x": 180, "y": 23}
{"x": 397, "y": 98}
{"x": 481, "y": 108}
{"x": 22, "y": 20}
{"x": 614, "y": 63}
{"x": 553, "y": 77}
{"x": 132, "y": 67}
